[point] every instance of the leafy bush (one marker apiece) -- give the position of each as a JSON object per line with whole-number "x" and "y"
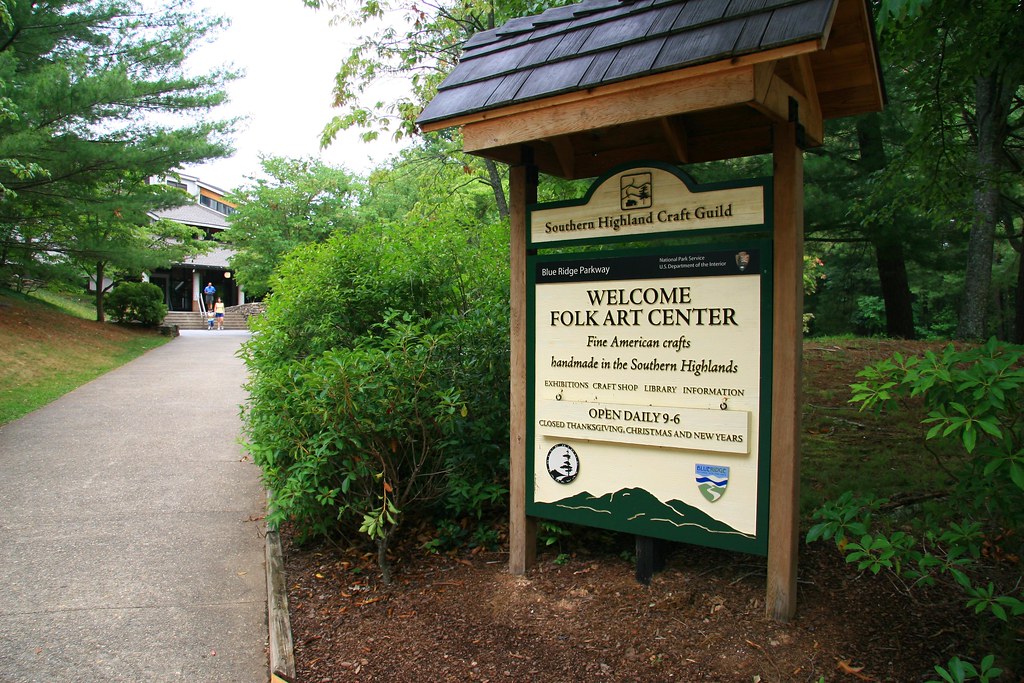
{"x": 960, "y": 671}
{"x": 869, "y": 318}
{"x": 379, "y": 380}
{"x": 974, "y": 402}
{"x": 141, "y": 301}
{"x": 365, "y": 432}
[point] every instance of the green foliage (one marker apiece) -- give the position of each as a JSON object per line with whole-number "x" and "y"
{"x": 959, "y": 671}
{"x": 94, "y": 100}
{"x": 870, "y": 316}
{"x": 974, "y": 404}
{"x": 424, "y": 44}
{"x": 300, "y": 201}
{"x": 378, "y": 380}
{"x": 549, "y": 533}
{"x": 960, "y": 161}
{"x": 975, "y": 396}
{"x": 137, "y": 301}
{"x": 368, "y": 432}
{"x": 356, "y": 435}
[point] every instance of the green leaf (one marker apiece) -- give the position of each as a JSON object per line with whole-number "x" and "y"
{"x": 989, "y": 426}
{"x": 1017, "y": 474}
{"x": 970, "y": 439}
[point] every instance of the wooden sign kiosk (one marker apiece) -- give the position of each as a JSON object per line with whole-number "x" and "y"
{"x": 580, "y": 89}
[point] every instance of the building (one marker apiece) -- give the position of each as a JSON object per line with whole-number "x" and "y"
{"x": 183, "y": 283}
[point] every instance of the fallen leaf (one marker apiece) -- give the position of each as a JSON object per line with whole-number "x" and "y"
{"x": 845, "y": 666}
{"x": 369, "y": 601}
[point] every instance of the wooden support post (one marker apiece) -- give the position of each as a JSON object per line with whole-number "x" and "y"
{"x": 784, "y": 524}
{"x": 522, "y": 530}
{"x": 650, "y": 558}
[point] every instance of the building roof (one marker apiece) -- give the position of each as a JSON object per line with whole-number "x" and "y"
{"x": 558, "y": 64}
{"x": 194, "y": 214}
{"x": 215, "y": 258}
{"x": 597, "y": 42}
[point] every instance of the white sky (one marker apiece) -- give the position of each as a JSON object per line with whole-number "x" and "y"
{"x": 290, "y": 55}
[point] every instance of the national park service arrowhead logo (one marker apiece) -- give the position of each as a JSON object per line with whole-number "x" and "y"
{"x": 742, "y": 260}
{"x": 635, "y": 191}
{"x": 712, "y": 480}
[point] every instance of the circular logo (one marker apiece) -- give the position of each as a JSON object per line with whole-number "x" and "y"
{"x": 563, "y": 463}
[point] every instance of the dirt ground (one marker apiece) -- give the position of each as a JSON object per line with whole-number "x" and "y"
{"x": 580, "y": 614}
{"x": 465, "y": 618}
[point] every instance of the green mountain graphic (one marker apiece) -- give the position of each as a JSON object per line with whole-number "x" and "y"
{"x": 636, "y": 511}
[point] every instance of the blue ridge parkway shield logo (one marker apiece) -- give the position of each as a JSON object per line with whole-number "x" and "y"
{"x": 712, "y": 481}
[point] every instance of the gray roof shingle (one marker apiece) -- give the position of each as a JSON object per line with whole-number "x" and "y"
{"x": 596, "y": 42}
{"x": 194, "y": 214}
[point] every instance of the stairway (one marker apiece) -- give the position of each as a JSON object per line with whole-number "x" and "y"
{"x": 186, "y": 320}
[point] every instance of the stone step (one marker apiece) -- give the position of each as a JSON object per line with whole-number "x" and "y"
{"x": 186, "y": 320}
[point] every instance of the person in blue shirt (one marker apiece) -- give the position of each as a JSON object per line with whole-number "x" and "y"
{"x": 208, "y": 293}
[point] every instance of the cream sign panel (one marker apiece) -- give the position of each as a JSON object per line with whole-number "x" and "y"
{"x": 648, "y": 200}
{"x": 647, "y": 387}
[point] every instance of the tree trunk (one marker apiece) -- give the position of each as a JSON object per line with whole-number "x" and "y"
{"x": 100, "y": 271}
{"x": 5, "y": 253}
{"x": 382, "y": 556}
{"x": 496, "y": 186}
{"x": 1018, "y": 300}
{"x": 899, "y": 303}
{"x": 991, "y": 117}
{"x": 889, "y": 257}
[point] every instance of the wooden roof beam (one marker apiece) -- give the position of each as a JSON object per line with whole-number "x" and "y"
{"x": 653, "y": 98}
{"x": 565, "y": 153}
{"x": 809, "y": 88}
{"x": 674, "y": 131}
{"x": 774, "y": 94}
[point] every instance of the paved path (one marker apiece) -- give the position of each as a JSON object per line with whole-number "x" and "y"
{"x": 128, "y": 550}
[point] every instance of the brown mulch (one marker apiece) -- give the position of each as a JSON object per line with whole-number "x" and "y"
{"x": 465, "y": 618}
{"x": 580, "y": 615}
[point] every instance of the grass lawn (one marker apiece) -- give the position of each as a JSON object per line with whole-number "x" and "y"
{"x": 45, "y": 353}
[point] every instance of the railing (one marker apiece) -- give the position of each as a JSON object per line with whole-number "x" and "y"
{"x": 202, "y": 309}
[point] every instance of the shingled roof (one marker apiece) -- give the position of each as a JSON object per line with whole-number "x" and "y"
{"x": 596, "y": 44}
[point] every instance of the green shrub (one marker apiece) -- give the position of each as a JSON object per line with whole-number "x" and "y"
{"x": 974, "y": 402}
{"x": 365, "y": 432}
{"x": 379, "y": 381}
{"x": 960, "y": 671}
{"x": 137, "y": 301}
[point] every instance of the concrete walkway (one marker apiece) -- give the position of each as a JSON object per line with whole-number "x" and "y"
{"x": 131, "y": 544}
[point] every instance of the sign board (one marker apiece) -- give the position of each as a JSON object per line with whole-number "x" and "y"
{"x": 654, "y": 199}
{"x": 648, "y": 371}
{"x": 648, "y": 392}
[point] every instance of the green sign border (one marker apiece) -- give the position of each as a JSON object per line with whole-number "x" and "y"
{"x": 694, "y": 187}
{"x": 758, "y": 544}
